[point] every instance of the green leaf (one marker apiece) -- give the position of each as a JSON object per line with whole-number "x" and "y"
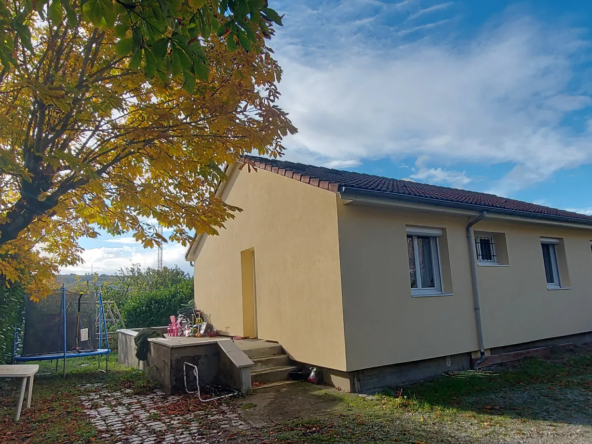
{"x": 164, "y": 7}
{"x": 255, "y": 16}
{"x": 121, "y": 30}
{"x": 124, "y": 47}
{"x": 202, "y": 71}
{"x": 231, "y": 43}
{"x": 186, "y": 62}
{"x": 189, "y": 82}
{"x": 54, "y": 12}
{"x": 70, "y": 14}
{"x": 39, "y": 5}
{"x": 6, "y": 59}
{"x": 176, "y": 66}
{"x": 137, "y": 36}
{"x": 222, "y": 29}
{"x": 250, "y": 32}
{"x": 151, "y": 64}
{"x": 24, "y": 33}
{"x": 136, "y": 60}
{"x": 160, "y": 48}
{"x": 241, "y": 11}
{"x": 92, "y": 11}
{"x": 197, "y": 50}
{"x": 163, "y": 77}
{"x": 108, "y": 12}
{"x": 256, "y": 5}
{"x": 243, "y": 40}
{"x": 272, "y": 15}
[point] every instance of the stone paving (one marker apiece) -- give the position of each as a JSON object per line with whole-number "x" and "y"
{"x": 121, "y": 416}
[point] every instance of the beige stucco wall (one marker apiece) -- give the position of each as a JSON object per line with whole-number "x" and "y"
{"x": 385, "y": 325}
{"x": 292, "y": 227}
{"x": 516, "y": 305}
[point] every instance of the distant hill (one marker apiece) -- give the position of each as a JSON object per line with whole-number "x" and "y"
{"x": 70, "y": 279}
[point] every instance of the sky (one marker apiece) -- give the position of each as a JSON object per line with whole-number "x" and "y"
{"x": 489, "y": 95}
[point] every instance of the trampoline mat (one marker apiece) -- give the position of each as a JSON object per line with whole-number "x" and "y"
{"x": 43, "y": 324}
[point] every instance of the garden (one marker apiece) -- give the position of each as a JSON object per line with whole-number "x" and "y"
{"x": 533, "y": 401}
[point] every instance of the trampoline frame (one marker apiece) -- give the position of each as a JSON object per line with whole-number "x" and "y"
{"x": 74, "y": 354}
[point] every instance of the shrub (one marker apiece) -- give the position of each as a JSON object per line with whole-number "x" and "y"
{"x": 131, "y": 281}
{"x": 12, "y": 301}
{"x": 153, "y": 307}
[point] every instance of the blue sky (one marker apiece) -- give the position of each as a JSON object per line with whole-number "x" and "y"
{"x": 486, "y": 95}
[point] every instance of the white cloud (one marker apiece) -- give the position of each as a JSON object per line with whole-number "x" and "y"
{"x": 342, "y": 164}
{"x": 430, "y": 10}
{"x": 108, "y": 260}
{"x": 587, "y": 210}
{"x": 123, "y": 240}
{"x": 456, "y": 179}
{"x": 501, "y": 97}
{"x": 423, "y": 27}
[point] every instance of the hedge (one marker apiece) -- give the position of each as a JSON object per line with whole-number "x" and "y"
{"x": 153, "y": 308}
{"x": 12, "y": 302}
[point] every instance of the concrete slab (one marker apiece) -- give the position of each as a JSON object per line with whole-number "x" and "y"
{"x": 253, "y": 344}
{"x": 240, "y": 359}
{"x": 180, "y": 341}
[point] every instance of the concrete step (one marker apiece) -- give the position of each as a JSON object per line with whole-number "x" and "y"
{"x": 260, "y": 349}
{"x": 270, "y": 361}
{"x": 273, "y": 374}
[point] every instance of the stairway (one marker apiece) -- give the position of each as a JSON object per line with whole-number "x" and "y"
{"x": 272, "y": 364}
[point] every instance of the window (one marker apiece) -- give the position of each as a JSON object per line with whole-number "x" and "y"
{"x": 424, "y": 263}
{"x": 485, "y": 246}
{"x": 550, "y": 259}
{"x": 491, "y": 249}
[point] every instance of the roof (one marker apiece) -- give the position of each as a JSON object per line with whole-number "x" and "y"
{"x": 349, "y": 182}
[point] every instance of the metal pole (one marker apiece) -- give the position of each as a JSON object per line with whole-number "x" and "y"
{"x": 100, "y": 308}
{"x": 64, "y": 320}
{"x": 473, "y": 264}
{"x": 106, "y": 334}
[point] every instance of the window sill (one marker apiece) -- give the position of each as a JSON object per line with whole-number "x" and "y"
{"x": 491, "y": 264}
{"x": 429, "y": 295}
{"x": 558, "y": 288}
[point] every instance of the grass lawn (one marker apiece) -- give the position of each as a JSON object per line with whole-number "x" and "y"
{"x": 56, "y": 414}
{"x": 535, "y": 401}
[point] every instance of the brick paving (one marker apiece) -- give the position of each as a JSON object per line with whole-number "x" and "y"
{"x": 121, "y": 416}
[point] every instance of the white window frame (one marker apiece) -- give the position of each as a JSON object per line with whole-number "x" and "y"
{"x": 491, "y": 239}
{"x": 554, "y": 263}
{"x": 433, "y": 234}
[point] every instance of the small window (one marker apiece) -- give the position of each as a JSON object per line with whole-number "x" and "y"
{"x": 551, "y": 265}
{"x": 485, "y": 246}
{"x": 491, "y": 249}
{"x": 424, "y": 265}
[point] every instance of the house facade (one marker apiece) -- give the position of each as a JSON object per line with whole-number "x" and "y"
{"x": 379, "y": 281}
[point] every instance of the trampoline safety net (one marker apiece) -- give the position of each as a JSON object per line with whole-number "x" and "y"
{"x": 43, "y": 326}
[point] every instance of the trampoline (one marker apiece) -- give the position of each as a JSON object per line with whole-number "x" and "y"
{"x": 65, "y": 331}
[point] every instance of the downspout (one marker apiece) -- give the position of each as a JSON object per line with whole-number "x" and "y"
{"x": 473, "y": 259}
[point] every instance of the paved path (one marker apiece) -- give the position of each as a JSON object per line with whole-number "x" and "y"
{"x": 121, "y": 416}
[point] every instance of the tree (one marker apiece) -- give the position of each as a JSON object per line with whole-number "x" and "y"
{"x": 120, "y": 114}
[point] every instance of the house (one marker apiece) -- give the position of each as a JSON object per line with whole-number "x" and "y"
{"x": 379, "y": 281}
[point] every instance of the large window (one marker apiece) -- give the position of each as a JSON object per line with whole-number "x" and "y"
{"x": 551, "y": 265}
{"x": 424, "y": 263}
